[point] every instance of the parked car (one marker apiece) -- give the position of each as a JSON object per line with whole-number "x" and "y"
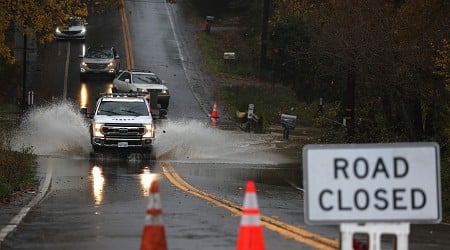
{"x": 75, "y": 29}
{"x": 142, "y": 81}
{"x": 99, "y": 60}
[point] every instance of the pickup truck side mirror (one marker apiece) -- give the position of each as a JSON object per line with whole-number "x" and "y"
{"x": 127, "y": 80}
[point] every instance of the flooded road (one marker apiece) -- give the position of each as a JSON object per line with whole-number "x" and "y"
{"x": 99, "y": 201}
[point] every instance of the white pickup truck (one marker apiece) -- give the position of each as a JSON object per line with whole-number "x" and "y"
{"x": 122, "y": 122}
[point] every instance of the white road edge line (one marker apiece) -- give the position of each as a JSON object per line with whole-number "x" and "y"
{"x": 16, "y": 220}
{"x": 183, "y": 63}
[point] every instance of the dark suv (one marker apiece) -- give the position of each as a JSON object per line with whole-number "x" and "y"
{"x": 100, "y": 60}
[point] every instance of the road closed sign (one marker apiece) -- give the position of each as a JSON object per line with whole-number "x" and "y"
{"x": 397, "y": 182}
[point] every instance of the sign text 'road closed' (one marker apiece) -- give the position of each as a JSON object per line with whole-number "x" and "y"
{"x": 372, "y": 182}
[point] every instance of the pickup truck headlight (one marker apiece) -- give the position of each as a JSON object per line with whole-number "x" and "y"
{"x": 149, "y": 131}
{"x": 98, "y": 130}
{"x": 140, "y": 90}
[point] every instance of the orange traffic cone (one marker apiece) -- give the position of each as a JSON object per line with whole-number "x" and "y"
{"x": 250, "y": 231}
{"x": 214, "y": 115}
{"x": 213, "y": 122}
{"x": 214, "y": 111}
{"x": 154, "y": 237}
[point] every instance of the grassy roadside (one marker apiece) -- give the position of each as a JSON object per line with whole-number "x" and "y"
{"x": 17, "y": 172}
{"x": 242, "y": 88}
{"x": 17, "y": 168}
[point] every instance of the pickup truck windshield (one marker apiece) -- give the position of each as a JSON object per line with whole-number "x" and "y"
{"x": 146, "y": 78}
{"x": 116, "y": 108}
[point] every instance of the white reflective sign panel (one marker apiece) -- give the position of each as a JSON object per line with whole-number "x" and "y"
{"x": 372, "y": 183}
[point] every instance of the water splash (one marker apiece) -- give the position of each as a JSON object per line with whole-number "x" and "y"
{"x": 56, "y": 128}
{"x": 59, "y": 129}
{"x": 192, "y": 140}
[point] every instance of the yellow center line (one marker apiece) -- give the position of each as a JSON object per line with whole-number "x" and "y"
{"x": 287, "y": 230}
{"x": 127, "y": 38}
{"x": 298, "y": 234}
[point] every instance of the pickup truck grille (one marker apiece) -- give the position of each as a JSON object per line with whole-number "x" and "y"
{"x": 131, "y": 131}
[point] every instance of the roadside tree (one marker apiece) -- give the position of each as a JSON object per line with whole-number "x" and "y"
{"x": 40, "y": 17}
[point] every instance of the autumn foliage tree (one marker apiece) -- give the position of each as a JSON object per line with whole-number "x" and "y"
{"x": 40, "y": 17}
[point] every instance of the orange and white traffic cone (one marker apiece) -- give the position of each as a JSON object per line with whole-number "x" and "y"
{"x": 154, "y": 237}
{"x": 213, "y": 122}
{"x": 214, "y": 111}
{"x": 250, "y": 231}
{"x": 214, "y": 115}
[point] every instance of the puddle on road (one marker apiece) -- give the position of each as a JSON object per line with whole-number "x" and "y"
{"x": 58, "y": 129}
{"x": 223, "y": 154}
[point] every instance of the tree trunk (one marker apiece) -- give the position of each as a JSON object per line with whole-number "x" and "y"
{"x": 411, "y": 116}
{"x": 265, "y": 26}
{"x": 349, "y": 105}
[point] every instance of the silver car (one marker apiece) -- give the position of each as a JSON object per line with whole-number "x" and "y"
{"x": 76, "y": 29}
{"x": 142, "y": 81}
{"x": 99, "y": 60}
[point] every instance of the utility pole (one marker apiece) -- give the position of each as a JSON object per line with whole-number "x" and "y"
{"x": 24, "y": 73}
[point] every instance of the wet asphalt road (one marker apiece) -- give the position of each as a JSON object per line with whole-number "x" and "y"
{"x": 99, "y": 203}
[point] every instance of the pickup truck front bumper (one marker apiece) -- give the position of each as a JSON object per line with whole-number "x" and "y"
{"x": 126, "y": 138}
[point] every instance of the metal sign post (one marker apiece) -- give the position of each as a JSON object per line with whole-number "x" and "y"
{"x": 229, "y": 58}
{"x": 251, "y": 108}
{"x": 30, "y": 98}
{"x": 375, "y": 231}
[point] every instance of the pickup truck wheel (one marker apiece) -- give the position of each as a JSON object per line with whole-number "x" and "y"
{"x": 164, "y": 105}
{"x": 97, "y": 149}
